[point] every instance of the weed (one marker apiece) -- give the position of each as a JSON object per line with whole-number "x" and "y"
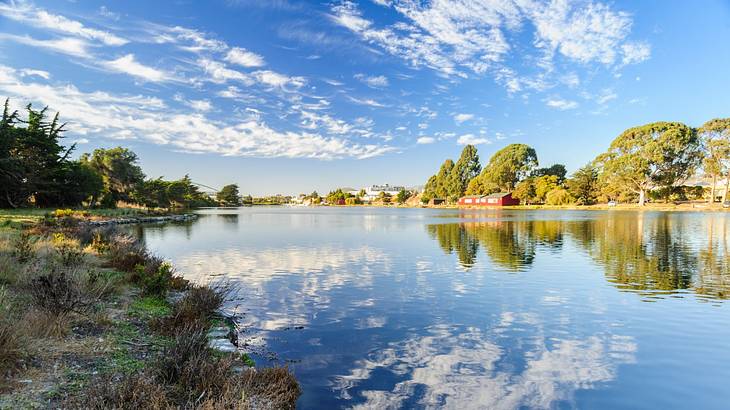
{"x": 23, "y": 248}
{"x": 68, "y": 250}
{"x": 131, "y": 391}
{"x": 150, "y": 307}
{"x": 199, "y": 305}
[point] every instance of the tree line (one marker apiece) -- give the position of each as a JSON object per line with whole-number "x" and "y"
{"x": 651, "y": 161}
{"x": 36, "y": 169}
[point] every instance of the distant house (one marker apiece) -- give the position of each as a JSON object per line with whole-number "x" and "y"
{"x": 498, "y": 199}
{"x": 437, "y": 201}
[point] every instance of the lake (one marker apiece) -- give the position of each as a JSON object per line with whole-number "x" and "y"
{"x": 420, "y": 308}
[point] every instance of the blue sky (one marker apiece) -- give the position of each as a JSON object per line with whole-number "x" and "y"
{"x": 287, "y": 96}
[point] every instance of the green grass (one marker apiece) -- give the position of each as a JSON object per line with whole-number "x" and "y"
{"x": 35, "y": 214}
{"x": 150, "y": 307}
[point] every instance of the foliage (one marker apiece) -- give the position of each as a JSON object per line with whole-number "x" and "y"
{"x": 525, "y": 191}
{"x": 35, "y": 167}
{"x": 229, "y": 195}
{"x": 23, "y": 248}
{"x": 465, "y": 169}
{"x": 505, "y": 169}
{"x": 338, "y": 195}
{"x": 438, "y": 185}
{"x": 583, "y": 185}
{"x": 182, "y": 193}
{"x": 353, "y": 201}
{"x": 653, "y": 155}
{"x": 557, "y": 170}
{"x": 559, "y": 196}
{"x": 120, "y": 171}
{"x": 715, "y": 138}
{"x": 402, "y": 196}
{"x": 155, "y": 278}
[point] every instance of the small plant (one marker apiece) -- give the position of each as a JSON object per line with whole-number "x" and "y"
{"x": 134, "y": 391}
{"x": 155, "y": 278}
{"x": 59, "y": 294}
{"x": 68, "y": 250}
{"x": 23, "y": 249}
{"x": 125, "y": 253}
{"x": 11, "y": 340}
{"x": 199, "y": 305}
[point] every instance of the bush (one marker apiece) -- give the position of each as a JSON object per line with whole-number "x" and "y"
{"x": 199, "y": 305}
{"x": 155, "y": 278}
{"x": 559, "y": 196}
{"x": 12, "y": 342}
{"x": 23, "y": 248}
{"x": 59, "y": 293}
{"x": 125, "y": 253}
{"x": 68, "y": 250}
{"x": 134, "y": 391}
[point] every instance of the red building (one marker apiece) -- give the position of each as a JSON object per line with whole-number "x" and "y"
{"x": 498, "y": 199}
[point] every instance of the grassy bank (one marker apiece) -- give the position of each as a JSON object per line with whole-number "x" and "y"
{"x": 88, "y": 321}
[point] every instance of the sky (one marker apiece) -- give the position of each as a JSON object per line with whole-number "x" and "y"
{"x": 290, "y": 96}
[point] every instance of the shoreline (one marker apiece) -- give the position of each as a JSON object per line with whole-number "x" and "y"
{"x": 117, "y": 324}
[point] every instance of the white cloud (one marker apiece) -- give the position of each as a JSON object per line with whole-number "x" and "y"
{"x": 605, "y": 96}
{"x": 200, "y": 105}
{"x": 274, "y": 79}
{"x": 451, "y": 36}
{"x": 635, "y": 52}
{"x": 244, "y": 58}
{"x": 26, "y": 13}
{"x": 379, "y": 81}
{"x": 425, "y": 140}
{"x": 67, "y": 45}
{"x": 561, "y": 104}
{"x": 471, "y": 139}
{"x": 461, "y": 118}
{"x": 129, "y": 65}
{"x": 123, "y": 116}
{"x": 367, "y": 101}
{"x": 219, "y": 73}
{"x": 38, "y": 73}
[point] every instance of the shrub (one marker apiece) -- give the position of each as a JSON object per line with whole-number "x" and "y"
{"x": 68, "y": 250}
{"x": 559, "y": 196}
{"x": 23, "y": 248}
{"x": 199, "y": 305}
{"x": 268, "y": 388}
{"x": 59, "y": 293}
{"x": 125, "y": 253}
{"x": 155, "y": 278}
{"x": 133, "y": 391}
{"x": 11, "y": 340}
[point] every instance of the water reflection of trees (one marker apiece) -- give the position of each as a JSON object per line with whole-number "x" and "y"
{"x": 653, "y": 254}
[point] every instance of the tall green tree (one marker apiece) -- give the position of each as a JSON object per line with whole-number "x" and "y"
{"x": 505, "y": 169}
{"x": 229, "y": 195}
{"x": 654, "y": 155}
{"x": 402, "y": 196}
{"x": 715, "y": 138}
{"x": 438, "y": 185}
{"x": 583, "y": 185}
{"x": 465, "y": 169}
{"x": 119, "y": 167}
{"x": 557, "y": 170}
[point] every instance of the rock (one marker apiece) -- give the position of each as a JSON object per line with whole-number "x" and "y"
{"x": 218, "y": 333}
{"x": 222, "y": 345}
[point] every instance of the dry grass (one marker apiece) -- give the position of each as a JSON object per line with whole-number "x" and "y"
{"x": 199, "y": 305}
{"x": 12, "y": 340}
{"x": 135, "y": 391}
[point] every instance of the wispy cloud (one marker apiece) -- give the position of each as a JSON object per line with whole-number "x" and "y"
{"x": 26, "y": 13}
{"x": 129, "y": 65}
{"x": 471, "y": 139}
{"x": 244, "y": 58}
{"x": 461, "y": 118}
{"x": 561, "y": 104}
{"x": 367, "y": 101}
{"x": 65, "y": 45}
{"x": 425, "y": 140}
{"x": 379, "y": 81}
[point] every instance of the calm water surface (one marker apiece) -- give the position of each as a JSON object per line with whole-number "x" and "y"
{"x": 416, "y": 308}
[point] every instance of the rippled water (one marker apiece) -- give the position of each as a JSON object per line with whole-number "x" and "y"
{"x": 415, "y": 308}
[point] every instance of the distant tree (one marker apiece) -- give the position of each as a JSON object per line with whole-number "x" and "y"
{"x": 559, "y": 196}
{"x": 465, "y": 169}
{"x": 583, "y": 185}
{"x": 506, "y": 168}
{"x": 438, "y": 185}
{"x": 649, "y": 156}
{"x": 229, "y": 195}
{"x": 402, "y": 196}
{"x": 715, "y": 138}
{"x": 557, "y": 170}
{"x": 120, "y": 170}
{"x": 543, "y": 185}
{"x": 362, "y": 193}
{"x": 384, "y": 197}
{"x": 525, "y": 191}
